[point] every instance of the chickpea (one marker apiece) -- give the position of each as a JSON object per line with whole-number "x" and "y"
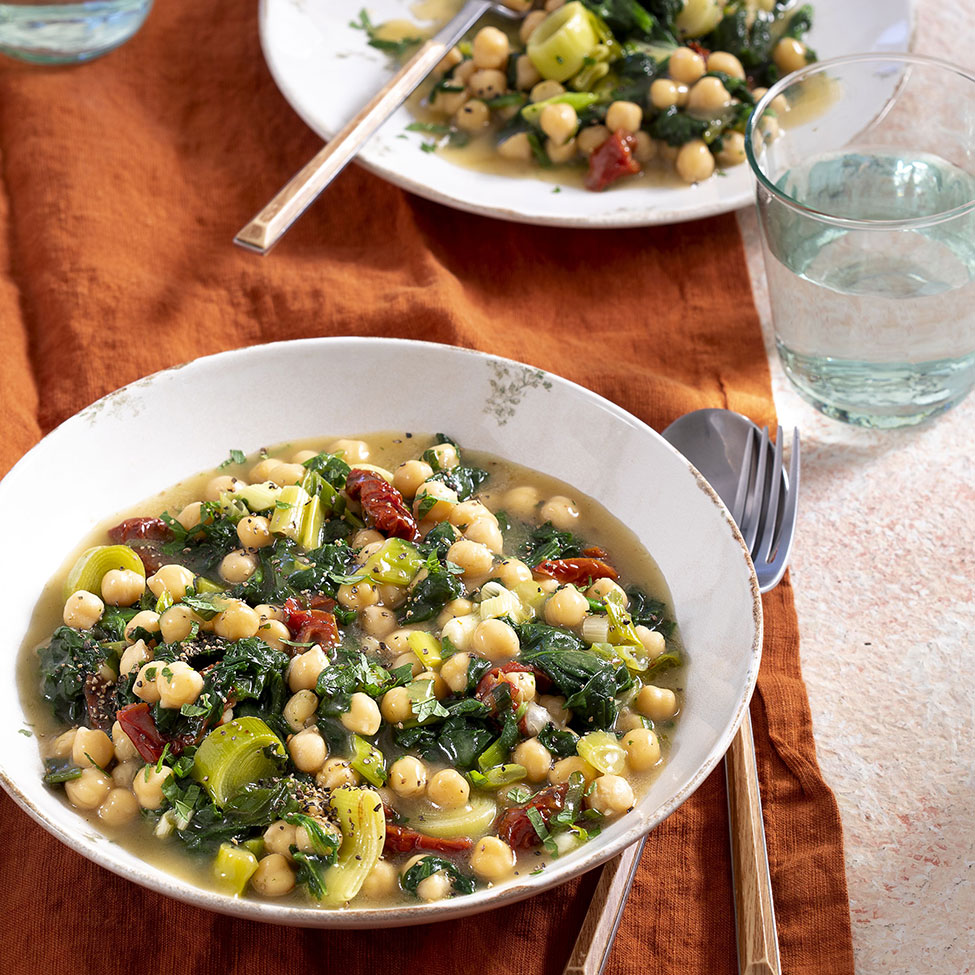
{"x": 178, "y": 684}
{"x": 663, "y": 94}
{"x": 563, "y": 768}
{"x": 642, "y": 749}
{"x": 398, "y": 641}
{"x": 190, "y": 516}
{"x": 555, "y": 705}
{"x": 358, "y": 595}
{"x": 559, "y": 122}
{"x": 122, "y": 587}
{"x": 301, "y": 456}
{"x": 629, "y": 720}
{"x": 224, "y": 484}
{"x": 534, "y": 757}
{"x": 512, "y": 572}
{"x": 473, "y": 557}
{"x": 133, "y": 657}
{"x": 567, "y": 607}
{"x": 408, "y": 660}
{"x": 653, "y": 641}
{"x": 707, "y": 97}
{"x": 726, "y": 63}
{"x": 273, "y": 633}
{"x": 237, "y": 566}
{"x": 285, "y": 474}
{"x": 460, "y": 631}
{"x": 561, "y": 512}
{"x": 624, "y": 115}
{"x": 92, "y": 748}
{"x": 367, "y": 536}
{"x": 147, "y": 785}
{"x": 382, "y": 881}
{"x": 352, "y": 451}
{"x": 561, "y": 153}
{"x": 82, "y": 610}
{"x": 122, "y": 745}
{"x": 305, "y": 669}
{"x": 261, "y": 471}
{"x": 236, "y": 622}
{"x": 545, "y": 90}
{"x": 89, "y": 790}
{"x": 450, "y": 102}
{"x": 450, "y": 60}
{"x": 462, "y": 73}
{"x": 780, "y": 104}
{"x": 124, "y": 773}
{"x": 645, "y": 148}
{"x": 279, "y": 837}
{"x": 682, "y": 93}
{"x": 363, "y": 716}
{"x": 694, "y": 161}
{"x": 299, "y": 708}
{"x": 449, "y": 789}
{"x": 174, "y": 579}
{"x": 685, "y": 65}
{"x": 526, "y": 74}
{"x": 490, "y": 48}
{"x": 486, "y": 532}
{"x": 472, "y": 116}
{"x": 547, "y": 585}
{"x": 335, "y": 773}
{"x": 529, "y": 24}
{"x": 144, "y": 686}
{"x": 732, "y": 151}
{"x": 64, "y": 744}
{"x": 453, "y": 609}
{"x": 433, "y": 888}
{"x": 254, "y": 532}
{"x": 611, "y": 795}
{"x": 454, "y": 671}
{"x": 601, "y": 588}
{"x": 408, "y": 777}
{"x": 445, "y": 499}
{"x": 408, "y": 477}
{"x": 392, "y": 596}
{"x": 266, "y": 611}
{"x": 656, "y": 703}
{"x": 120, "y": 806}
{"x": 273, "y": 876}
{"x": 492, "y": 859}
{"x": 495, "y": 639}
{"x": 790, "y": 55}
{"x": 464, "y": 515}
{"x": 145, "y": 620}
{"x": 377, "y": 621}
{"x": 439, "y": 688}
{"x": 516, "y": 147}
{"x": 308, "y": 750}
{"x": 591, "y": 138}
{"x": 396, "y": 706}
{"x": 522, "y": 502}
{"x": 367, "y": 552}
{"x": 177, "y": 623}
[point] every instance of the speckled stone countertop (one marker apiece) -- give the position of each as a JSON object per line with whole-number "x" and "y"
{"x": 884, "y": 574}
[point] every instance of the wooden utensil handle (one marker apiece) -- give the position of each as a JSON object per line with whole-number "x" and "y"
{"x": 268, "y": 226}
{"x": 758, "y": 946}
{"x": 598, "y": 929}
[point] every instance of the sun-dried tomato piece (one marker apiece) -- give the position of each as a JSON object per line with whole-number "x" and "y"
{"x": 613, "y": 159}
{"x": 516, "y": 829}
{"x": 140, "y": 529}
{"x": 382, "y": 504}
{"x": 137, "y": 722}
{"x": 487, "y": 687}
{"x": 312, "y": 625}
{"x": 402, "y": 839}
{"x": 99, "y": 695}
{"x": 575, "y": 571}
{"x": 595, "y": 552}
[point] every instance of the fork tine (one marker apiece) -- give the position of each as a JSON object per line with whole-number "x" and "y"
{"x": 753, "y": 509}
{"x": 772, "y": 572}
{"x": 744, "y": 479}
{"x": 770, "y": 521}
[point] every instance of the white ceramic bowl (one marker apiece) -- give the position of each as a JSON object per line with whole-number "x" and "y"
{"x": 358, "y": 385}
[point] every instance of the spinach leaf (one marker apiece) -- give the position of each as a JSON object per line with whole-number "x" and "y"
{"x": 637, "y": 72}
{"x": 464, "y": 480}
{"x": 203, "y": 547}
{"x": 676, "y": 127}
{"x": 457, "y": 742}
{"x": 437, "y": 541}
{"x": 429, "y": 865}
{"x": 332, "y": 563}
{"x": 561, "y": 743}
{"x": 331, "y": 467}
{"x": 441, "y": 584}
{"x": 651, "y": 613}
{"x": 65, "y": 663}
{"x": 547, "y": 542}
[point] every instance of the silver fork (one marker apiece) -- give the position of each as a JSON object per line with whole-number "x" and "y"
{"x": 764, "y": 507}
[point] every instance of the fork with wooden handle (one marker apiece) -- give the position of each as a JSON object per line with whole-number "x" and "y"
{"x": 766, "y": 513}
{"x": 291, "y": 201}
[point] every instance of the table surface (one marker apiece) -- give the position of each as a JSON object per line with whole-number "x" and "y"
{"x": 884, "y": 574}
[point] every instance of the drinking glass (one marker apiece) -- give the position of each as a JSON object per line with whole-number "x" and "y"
{"x": 866, "y": 201}
{"x": 49, "y": 32}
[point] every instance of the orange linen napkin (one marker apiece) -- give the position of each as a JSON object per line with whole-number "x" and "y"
{"x": 123, "y": 182}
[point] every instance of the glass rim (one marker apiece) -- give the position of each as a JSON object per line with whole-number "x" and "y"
{"x": 816, "y": 67}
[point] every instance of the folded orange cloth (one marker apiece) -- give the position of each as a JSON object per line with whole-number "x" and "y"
{"x": 123, "y": 183}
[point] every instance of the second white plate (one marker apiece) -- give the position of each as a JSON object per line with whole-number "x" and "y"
{"x": 327, "y": 72}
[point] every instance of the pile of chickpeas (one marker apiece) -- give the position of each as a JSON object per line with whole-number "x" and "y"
{"x": 484, "y": 76}
{"x": 117, "y": 784}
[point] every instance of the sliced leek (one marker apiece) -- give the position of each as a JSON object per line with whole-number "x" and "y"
{"x": 426, "y": 647}
{"x": 621, "y": 629}
{"x": 240, "y": 751}
{"x": 368, "y": 761}
{"x": 90, "y": 568}
{"x": 579, "y": 100}
{"x": 257, "y": 497}
{"x": 289, "y": 508}
{"x": 363, "y": 824}
{"x": 396, "y": 563}
{"x": 472, "y": 820}
{"x": 560, "y": 44}
{"x": 312, "y": 522}
{"x": 602, "y": 751}
{"x": 233, "y": 867}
